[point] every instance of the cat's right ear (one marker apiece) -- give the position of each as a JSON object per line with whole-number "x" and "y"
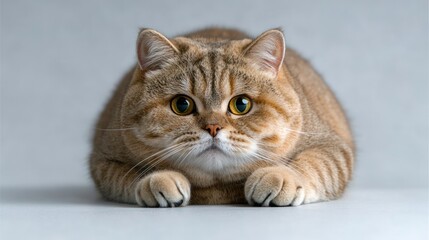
{"x": 267, "y": 52}
{"x": 154, "y": 50}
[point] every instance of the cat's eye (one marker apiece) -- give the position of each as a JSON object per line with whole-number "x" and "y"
{"x": 182, "y": 105}
{"x": 240, "y": 105}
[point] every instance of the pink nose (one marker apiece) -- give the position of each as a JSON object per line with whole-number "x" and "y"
{"x": 213, "y": 129}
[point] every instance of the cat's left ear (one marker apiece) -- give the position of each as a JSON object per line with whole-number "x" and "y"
{"x": 267, "y": 52}
{"x": 154, "y": 50}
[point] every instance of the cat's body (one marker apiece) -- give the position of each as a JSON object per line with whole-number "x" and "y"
{"x": 293, "y": 146}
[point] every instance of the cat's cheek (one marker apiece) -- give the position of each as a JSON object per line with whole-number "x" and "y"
{"x": 244, "y": 147}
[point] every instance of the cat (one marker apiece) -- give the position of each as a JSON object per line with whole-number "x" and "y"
{"x": 216, "y": 117}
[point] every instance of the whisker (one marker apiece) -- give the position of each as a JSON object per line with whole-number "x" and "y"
{"x": 157, "y": 161}
{"x": 304, "y": 133}
{"x": 291, "y": 163}
{"x": 115, "y": 129}
{"x": 184, "y": 158}
{"x": 302, "y": 171}
{"x": 153, "y": 155}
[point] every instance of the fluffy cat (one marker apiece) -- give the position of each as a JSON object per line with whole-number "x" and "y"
{"x": 215, "y": 117}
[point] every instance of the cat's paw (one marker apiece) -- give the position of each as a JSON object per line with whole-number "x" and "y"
{"x": 274, "y": 186}
{"x": 163, "y": 189}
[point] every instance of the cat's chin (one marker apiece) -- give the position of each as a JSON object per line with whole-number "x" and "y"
{"x": 217, "y": 155}
{"x": 214, "y": 160}
{"x": 213, "y": 150}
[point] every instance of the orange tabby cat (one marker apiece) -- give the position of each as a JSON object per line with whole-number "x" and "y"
{"x": 214, "y": 117}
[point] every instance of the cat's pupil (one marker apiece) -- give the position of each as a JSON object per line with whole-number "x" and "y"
{"x": 182, "y": 104}
{"x": 241, "y": 104}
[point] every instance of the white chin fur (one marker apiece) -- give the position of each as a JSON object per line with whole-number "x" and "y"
{"x": 222, "y": 158}
{"x": 213, "y": 161}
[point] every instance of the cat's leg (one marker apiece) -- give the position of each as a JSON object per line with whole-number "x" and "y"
{"x": 121, "y": 182}
{"x": 316, "y": 174}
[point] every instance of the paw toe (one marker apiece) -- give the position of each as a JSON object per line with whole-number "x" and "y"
{"x": 265, "y": 190}
{"x": 179, "y": 203}
{"x": 289, "y": 196}
{"x": 163, "y": 189}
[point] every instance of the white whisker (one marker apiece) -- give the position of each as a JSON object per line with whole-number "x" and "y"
{"x": 115, "y": 129}
{"x": 153, "y": 155}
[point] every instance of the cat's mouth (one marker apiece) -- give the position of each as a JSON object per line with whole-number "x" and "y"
{"x": 213, "y": 148}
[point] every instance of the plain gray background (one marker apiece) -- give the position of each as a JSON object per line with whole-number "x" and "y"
{"x": 60, "y": 60}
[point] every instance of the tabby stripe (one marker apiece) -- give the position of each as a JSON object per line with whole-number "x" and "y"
{"x": 327, "y": 169}
{"x": 148, "y": 107}
{"x": 108, "y": 176}
{"x": 333, "y": 173}
{"x": 120, "y": 186}
{"x": 316, "y": 167}
{"x": 192, "y": 82}
{"x": 253, "y": 128}
{"x": 212, "y": 59}
{"x": 222, "y": 78}
{"x": 231, "y": 83}
{"x": 302, "y": 167}
{"x": 272, "y": 139}
{"x": 281, "y": 111}
{"x": 348, "y": 156}
{"x": 194, "y": 76}
{"x": 339, "y": 160}
{"x": 203, "y": 75}
{"x": 127, "y": 189}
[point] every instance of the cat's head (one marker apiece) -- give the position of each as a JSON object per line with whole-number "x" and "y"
{"x": 212, "y": 104}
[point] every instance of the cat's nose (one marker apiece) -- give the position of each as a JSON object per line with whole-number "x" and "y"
{"x": 213, "y": 129}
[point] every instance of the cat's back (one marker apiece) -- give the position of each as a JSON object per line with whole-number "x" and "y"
{"x": 319, "y": 98}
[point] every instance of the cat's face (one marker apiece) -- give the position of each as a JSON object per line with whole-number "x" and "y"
{"x": 212, "y": 106}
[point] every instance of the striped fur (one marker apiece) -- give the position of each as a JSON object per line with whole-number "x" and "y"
{"x": 293, "y": 147}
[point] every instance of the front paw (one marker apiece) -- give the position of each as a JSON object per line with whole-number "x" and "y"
{"x": 274, "y": 186}
{"x": 163, "y": 189}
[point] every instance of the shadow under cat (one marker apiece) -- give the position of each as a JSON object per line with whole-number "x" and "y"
{"x": 63, "y": 195}
{"x": 53, "y": 195}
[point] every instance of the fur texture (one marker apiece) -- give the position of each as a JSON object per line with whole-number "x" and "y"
{"x": 294, "y": 146}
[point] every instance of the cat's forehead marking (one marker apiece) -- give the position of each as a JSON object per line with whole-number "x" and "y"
{"x": 214, "y": 94}
{"x": 211, "y": 80}
{"x": 213, "y": 70}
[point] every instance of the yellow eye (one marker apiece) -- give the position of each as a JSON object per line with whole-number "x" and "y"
{"x": 182, "y": 105}
{"x": 240, "y": 105}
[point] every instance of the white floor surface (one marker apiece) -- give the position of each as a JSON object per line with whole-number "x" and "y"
{"x": 79, "y": 213}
